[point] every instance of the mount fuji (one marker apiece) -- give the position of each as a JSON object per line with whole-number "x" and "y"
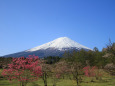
{"x": 56, "y": 47}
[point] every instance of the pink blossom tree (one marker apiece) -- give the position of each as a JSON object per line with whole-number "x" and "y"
{"x": 89, "y": 71}
{"x": 23, "y": 69}
{"x": 92, "y": 72}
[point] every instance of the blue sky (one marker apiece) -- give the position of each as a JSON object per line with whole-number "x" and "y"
{"x": 26, "y": 24}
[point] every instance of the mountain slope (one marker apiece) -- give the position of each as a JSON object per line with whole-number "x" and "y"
{"x": 60, "y": 44}
{"x": 54, "y": 48}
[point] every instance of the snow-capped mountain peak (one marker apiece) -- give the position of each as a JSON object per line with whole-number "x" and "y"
{"x": 60, "y": 44}
{"x": 56, "y": 47}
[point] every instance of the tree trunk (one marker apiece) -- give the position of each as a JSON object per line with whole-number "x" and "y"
{"x": 45, "y": 79}
{"x": 45, "y": 83}
{"x": 23, "y": 84}
{"x": 92, "y": 80}
{"x": 63, "y": 77}
{"x": 77, "y": 79}
{"x": 54, "y": 84}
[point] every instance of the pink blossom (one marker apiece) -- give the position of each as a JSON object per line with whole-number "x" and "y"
{"x": 23, "y": 69}
{"x": 89, "y": 71}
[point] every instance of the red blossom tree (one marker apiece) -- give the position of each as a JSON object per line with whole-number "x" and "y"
{"x": 92, "y": 72}
{"x": 89, "y": 71}
{"x": 23, "y": 69}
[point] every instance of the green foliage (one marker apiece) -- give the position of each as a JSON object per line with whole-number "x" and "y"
{"x": 5, "y": 61}
{"x": 92, "y": 58}
{"x": 98, "y": 59}
{"x": 110, "y": 50}
{"x": 52, "y": 59}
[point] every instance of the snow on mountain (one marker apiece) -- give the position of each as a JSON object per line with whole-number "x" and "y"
{"x": 61, "y": 43}
{"x": 56, "y": 47}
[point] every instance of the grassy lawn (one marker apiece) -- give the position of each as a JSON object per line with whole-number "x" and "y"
{"x": 106, "y": 81}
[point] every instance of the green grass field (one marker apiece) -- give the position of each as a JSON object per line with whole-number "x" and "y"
{"x": 106, "y": 81}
